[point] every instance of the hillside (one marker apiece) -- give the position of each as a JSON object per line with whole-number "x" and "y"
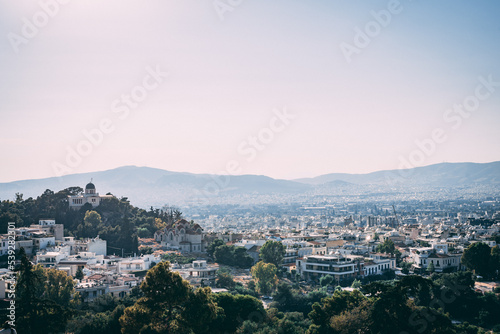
{"x": 443, "y": 174}
{"x": 146, "y": 186}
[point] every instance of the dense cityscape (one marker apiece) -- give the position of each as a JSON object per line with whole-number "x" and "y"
{"x": 292, "y": 259}
{"x": 249, "y": 167}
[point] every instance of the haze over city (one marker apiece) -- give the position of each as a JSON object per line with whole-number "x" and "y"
{"x": 366, "y": 86}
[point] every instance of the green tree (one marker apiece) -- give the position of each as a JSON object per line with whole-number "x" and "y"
{"x": 236, "y": 309}
{"x": 494, "y": 264}
{"x": 341, "y": 301}
{"x": 477, "y": 257}
{"x": 91, "y": 224}
{"x": 225, "y": 279}
{"x": 272, "y": 252}
{"x": 34, "y": 314}
{"x": 169, "y": 305}
{"x": 405, "y": 267}
{"x": 386, "y": 247}
{"x": 92, "y": 218}
{"x": 200, "y": 310}
{"x": 356, "y": 284}
{"x": 286, "y": 299}
{"x": 265, "y": 277}
{"x": 326, "y": 280}
{"x": 233, "y": 256}
{"x": 79, "y": 273}
{"x": 213, "y": 245}
{"x": 60, "y": 287}
{"x": 431, "y": 268}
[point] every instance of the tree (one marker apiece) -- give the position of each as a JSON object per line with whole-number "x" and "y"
{"x": 341, "y": 301}
{"x": 59, "y": 287}
{"x": 200, "y": 310}
{"x": 211, "y": 248}
{"x": 405, "y": 267}
{"x": 326, "y": 280}
{"x": 430, "y": 267}
{"x": 272, "y": 252}
{"x": 494, "y": 264}
{"x": 34, "y": 314}
{"x": 265, "y": 277}
{"x": 91, "y": 224}
{"x": 225, "y": 279}
{"x": 386, "y": 247}
{"x": 477, "y": 257}
{"x": 92, "y": 218}
{"x": 356, "y": 284}
{"x": 169, "y": 305}
{"x": 224, "y": 254}
{"x": 159, "y": 224}
{"x": 233, "y": 256}
{"x": 79, "y": 273}
{"x": 237, "y": 308}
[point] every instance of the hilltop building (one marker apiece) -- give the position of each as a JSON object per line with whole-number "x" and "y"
{"x": 89, "y": 196}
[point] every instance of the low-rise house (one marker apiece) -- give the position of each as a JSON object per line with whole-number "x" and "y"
{"x": 50, "y": 227}
{"x": 144, "y": 262}
{"x": 378, "y": 265}
{"x": 26, "y": 243}
{"x": 90, "y": 290}
{"x": 424, "y": 256}
{"x": 50, "y": 259}
{"x": 202, "y": 274}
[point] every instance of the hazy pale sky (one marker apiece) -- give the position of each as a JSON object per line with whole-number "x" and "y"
{"x": 282, "y": 88}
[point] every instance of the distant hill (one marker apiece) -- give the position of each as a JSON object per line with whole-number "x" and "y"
{"x": 443, "y": 174}
{"x": 146, "y": 186}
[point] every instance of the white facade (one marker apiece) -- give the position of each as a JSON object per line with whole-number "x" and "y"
{"x": 4, "y": 246}
{"x": 41, "y": 243}
{"x": 49, "y": 226}
{"x": 50, "y": 259}
{"x": 97, "y": 246}
{"x": 182, "y": 235}
{"x": 340, "y": 267}
{"x": 378, "y": 266}
{"x": 422, "y": 257}
{"x": 89, "y": 196}
{"x": 137, "y": 263}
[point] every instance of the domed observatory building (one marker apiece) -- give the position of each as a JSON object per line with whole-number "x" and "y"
{"x": 89, "y": 196}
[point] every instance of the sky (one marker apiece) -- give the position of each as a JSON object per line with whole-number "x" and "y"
{"x": 282, "y": 88}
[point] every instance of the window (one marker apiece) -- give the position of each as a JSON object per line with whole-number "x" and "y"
{"x": 137, "y": 266}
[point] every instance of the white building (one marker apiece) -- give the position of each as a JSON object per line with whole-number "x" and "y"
{"x": 378, "y": 266}
{"x": 49, "y": 226}
{"x": 97, "y": 246}
{"x": 89, "y": 196}
{"x": 313, "y": 267}
{"x": 202, "y": 274}
{"x": 50, "y": 259}
{"x": 94, "y": 245}
{"x": 422, "y": 257}
{"x": 132, "y": 264}
{"x": 43, "y": 241}
{"x": 4, "y": 245}
{"x": 182, "y": 235}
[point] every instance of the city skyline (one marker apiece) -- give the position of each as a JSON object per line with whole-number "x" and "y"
{"x": 287, "y": 90}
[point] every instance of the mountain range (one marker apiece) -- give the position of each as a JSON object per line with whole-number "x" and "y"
{"x": 146, "y": 186}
